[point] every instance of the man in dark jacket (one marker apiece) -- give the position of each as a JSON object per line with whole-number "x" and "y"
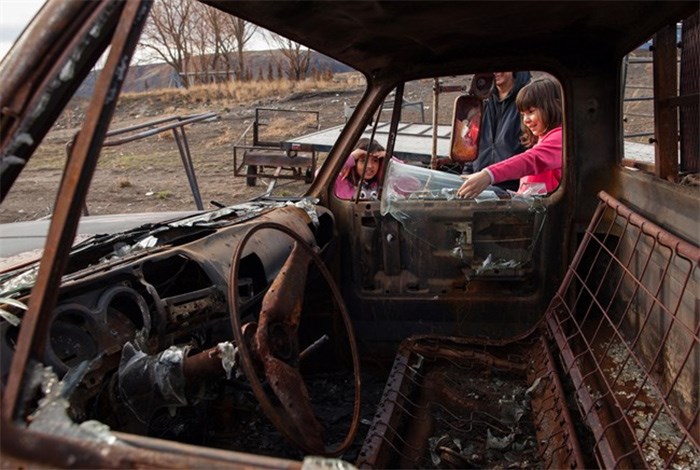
{"x": 499, "y": 136}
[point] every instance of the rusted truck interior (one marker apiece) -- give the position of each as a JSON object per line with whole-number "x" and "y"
{"x": 417, "y": 330}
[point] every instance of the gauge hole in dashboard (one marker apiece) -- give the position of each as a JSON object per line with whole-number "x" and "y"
{"x": 175, "y": 275}
{"x": 127, "y": 302}
{"x": 72, "y": 338}
{"x": 252, "y": 278}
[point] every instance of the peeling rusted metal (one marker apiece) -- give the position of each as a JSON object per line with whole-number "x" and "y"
{"x": 550, "y": 411}
{"x": 276, "y": 345}
{"x": 71, "y": 197}
{"x": 39, "y": 86}
{"x": 131, "y": 451}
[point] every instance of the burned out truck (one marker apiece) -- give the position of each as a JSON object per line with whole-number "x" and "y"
{"x": 414, "y": 330}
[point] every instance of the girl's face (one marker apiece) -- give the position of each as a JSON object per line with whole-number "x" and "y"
{"x": 372, "y": 163}
{"x": 532, "y": 118}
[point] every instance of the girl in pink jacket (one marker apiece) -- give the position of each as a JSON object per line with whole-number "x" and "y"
{"x": 539, "y": 104}
{"x": 363, "y": 168}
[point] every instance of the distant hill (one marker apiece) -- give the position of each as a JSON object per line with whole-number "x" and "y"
{"x": 161, "y": 75}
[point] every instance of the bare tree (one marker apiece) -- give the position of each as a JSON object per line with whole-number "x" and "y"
{"x": 167, "y": 34}
{"x": 197, "y": 40}
{"x": 223, "y": 36}
{"x": 243, "y": 32}
{"x": 222, "y": 42}
{"x": 296, "y": 56}
{"x": 205, "y": 57}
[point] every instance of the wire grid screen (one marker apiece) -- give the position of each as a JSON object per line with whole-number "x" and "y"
{"x": 626, "y": 321}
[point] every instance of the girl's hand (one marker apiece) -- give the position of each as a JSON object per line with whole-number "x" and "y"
{"x": 358, "y": 153}
{"x": 474, "y": 184}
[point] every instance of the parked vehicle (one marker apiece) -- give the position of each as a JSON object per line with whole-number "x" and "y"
{"x": 414, "y": 330}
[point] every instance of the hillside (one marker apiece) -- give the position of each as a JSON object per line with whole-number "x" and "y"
{"x": 145, "y": 77}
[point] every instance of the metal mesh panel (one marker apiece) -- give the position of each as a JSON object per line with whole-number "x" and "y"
{"x": 626, "y": 321}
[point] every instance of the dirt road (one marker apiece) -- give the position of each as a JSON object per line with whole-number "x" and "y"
{"x": 148, "y": 175}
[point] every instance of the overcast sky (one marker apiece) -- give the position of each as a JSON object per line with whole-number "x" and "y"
{"x": 14, "y": 16}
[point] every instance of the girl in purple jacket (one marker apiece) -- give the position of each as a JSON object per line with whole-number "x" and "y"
{"x": 539, "y": 104}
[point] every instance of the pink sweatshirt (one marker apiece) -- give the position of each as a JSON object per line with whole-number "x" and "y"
{"x": 344, "y": 189}
{"x": 539, "y": 164}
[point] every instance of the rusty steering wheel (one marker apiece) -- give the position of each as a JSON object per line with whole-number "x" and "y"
{"x": 270, "y": 347}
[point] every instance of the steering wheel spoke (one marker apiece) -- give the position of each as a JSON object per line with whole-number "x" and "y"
{"x": 270, "y": 346}
{"x": 290, "y": 389}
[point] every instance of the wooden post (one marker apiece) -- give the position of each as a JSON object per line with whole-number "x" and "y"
{"x": 665, "y": 113}
{"x": 689, "y": 112}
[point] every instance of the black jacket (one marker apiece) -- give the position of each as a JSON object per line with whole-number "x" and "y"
{"x": 499, "y": 135}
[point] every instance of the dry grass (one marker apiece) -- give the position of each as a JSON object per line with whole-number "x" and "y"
{"x": 281, "y": 127}
{"x": 246, "y": 92}
{"x": 225, "y": 137}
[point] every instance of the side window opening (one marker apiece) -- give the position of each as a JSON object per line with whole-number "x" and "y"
{"x": 660, "y": 105}
{"x": 456, "y": 109}
{"x": 420, "y": 237}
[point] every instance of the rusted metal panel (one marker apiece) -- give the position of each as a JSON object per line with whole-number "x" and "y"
{"x": 437, "y": 31}
{"x": 38, "y": 94}
{"x": 129, "y": 451}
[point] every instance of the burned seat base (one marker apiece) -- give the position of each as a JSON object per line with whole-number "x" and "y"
{"x": 450, "y": 403}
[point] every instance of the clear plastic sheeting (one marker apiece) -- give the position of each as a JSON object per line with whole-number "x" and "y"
{"x": 12, "y": 319}
{"x": 51, "y": 416}
{"x": 244, "y": 211}
{"x": 229, "y": 353}
{"x": 532, "y": 189}
{"x": 247, "y": 210}
{"x": 446, "y": 237}
{"x": 122, "y": 249}
{"x": 14, "y": 283}
{"x": 492, "y": 265}
{"x": 411, "y": 182}
{"x": 147, "y": 383}
{"x": 313, "y": 462}
{"x": 215, "y": 216}
{"x": 308, "y": 204}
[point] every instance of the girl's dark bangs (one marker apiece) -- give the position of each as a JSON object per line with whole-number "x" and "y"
{"x": 525, "y": 99}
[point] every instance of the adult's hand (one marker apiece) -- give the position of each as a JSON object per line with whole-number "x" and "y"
{"x": 474, "y": 184}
